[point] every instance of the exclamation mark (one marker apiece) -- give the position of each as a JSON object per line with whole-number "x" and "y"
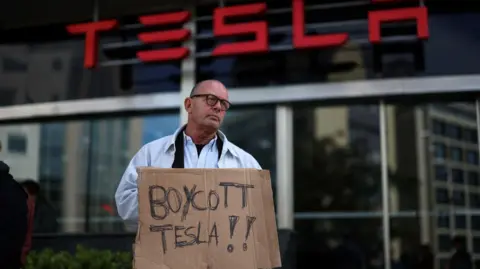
{"x": 250, "y": 221}
{"x": 233, "y": 222}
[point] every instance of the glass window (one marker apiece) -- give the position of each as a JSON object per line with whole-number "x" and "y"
{"x": 240, "y": 124}
{"x": 473, "y": 178}
{"x": 63, "y": 156}
{"x": 17, "y": 15}
{"x": 344, "y": 145}
{"x": 442, "y": 210}
{"x": 284, "y": 65}
{"x": 443, "y": 220}
{"x": 460, "y": 222}
{"x": 55, "y": 72}
{"x": 440, "y": 151}
{"x": 472, "y": 157}
{"x": 442, "y": 27}
{"x": 17, "y": 143}
{"x": 471, "y": 136}
{"x": 456, "y": 154}
{"x": 475, "y": 200}
{"x": 441, "y": 173}
{"x": 476, "y": 222}
{"x": 444, "y": 243}
{"x": 358, "y": 60}
{"x": 12, "y": 65}
{"x": 442, "y": 196}
{"x": 458, "y": 198}
{"x": 457, "y": 176}
{"x": 337, "y": 181}
{"x": 439, "y": 127}
{"x": 454, "y": 131}
{"x": 329, "y": 239}
{"x": 79, "y": 163}
{"x": 476, "y": 245}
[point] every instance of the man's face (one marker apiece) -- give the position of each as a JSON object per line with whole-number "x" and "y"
{"x": 207, "y": 107}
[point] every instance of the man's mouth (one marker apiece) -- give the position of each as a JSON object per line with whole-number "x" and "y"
{"x": 214, "y": 117}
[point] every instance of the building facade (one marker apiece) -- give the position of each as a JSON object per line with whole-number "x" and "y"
{"x": 372, "y": 145}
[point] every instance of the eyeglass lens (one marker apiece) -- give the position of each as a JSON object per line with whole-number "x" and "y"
{"x": 212, "y": 101}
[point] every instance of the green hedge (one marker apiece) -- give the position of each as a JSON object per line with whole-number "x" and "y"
{"x": 83, "y": 258}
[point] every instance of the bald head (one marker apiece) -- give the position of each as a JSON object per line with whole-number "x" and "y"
{"x": 206, "y": 106}
{"x": 204, "y": 87}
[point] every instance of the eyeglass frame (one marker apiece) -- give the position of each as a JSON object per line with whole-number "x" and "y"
{"x": 216, "y": 98}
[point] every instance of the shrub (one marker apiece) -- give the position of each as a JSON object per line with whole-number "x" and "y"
{"x": 83, "y": 258}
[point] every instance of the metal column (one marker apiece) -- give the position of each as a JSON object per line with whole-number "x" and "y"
{"x": 88, "y": 185}
{"x": 284, "y": 157}
{"x": 187, "y": 80}
{"x": 422, "y": 152}
{"x": 385, "y": 185}
{"x": 477, "y": 108}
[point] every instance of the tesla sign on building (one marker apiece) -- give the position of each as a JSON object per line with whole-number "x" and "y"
{"x": 258, "y": 28}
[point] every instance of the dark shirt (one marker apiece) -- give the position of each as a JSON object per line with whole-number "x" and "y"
{"x": 199, "y": 148}
{"x": 13, "y": 223}
{"x": 461, "y": 259}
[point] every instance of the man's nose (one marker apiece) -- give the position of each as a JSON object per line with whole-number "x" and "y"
{"x": 217, "y": 107}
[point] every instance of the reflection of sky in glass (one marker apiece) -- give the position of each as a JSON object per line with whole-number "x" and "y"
{"x": 156, "y": 78}
{"x": 155, "y": 127}
{"x": 457, "y": 35}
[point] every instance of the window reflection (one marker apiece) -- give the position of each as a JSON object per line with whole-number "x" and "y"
{"x": 445, "y": 172}
{"x": 339, "y": 243}
{"x": 48, "y": 72}
{"x": 441, "y": 173}
{"x": 63, "y": 156}
{"x": 78, "y": 164}
{"x": 284, "y": 65}
{"x": 337, "y": 186}
{"x": 240, "y": 124}
{"x": 457, "y": 176}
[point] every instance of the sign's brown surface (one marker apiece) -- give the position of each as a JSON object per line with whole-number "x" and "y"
{"x": 205, "y": 218}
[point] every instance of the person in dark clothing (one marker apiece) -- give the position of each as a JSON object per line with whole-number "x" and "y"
{"x": 45, "y": 215}
{"x": 461, "y": 259}
{"x": 13, "y": 223}
{"x": 425, "y": 258}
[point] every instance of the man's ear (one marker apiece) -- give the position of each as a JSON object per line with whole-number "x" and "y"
{"x": 188, "y": 105}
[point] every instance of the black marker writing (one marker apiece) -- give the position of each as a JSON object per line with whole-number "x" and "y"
{"x": 213, "y": 205}
{"x": 189, "y": 194}
{"x": 244, "y": 188}
{"x": 213, "y": 234}
{"x": 250, "y": 221}
{"x": 164, "y": 202}
{"x": 178, "y": 201}
{"x": 188, "y": 232}
{"x": 171, "y": 199}
{"x": 233, "y": 222}
{"x": 162, "y": 229}
{"x": 186, "y": 236}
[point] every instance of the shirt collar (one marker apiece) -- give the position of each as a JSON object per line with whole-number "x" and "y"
{"x": 227, "y": 146}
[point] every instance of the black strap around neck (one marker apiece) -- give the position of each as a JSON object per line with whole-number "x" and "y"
{"x": 179, "y": 160}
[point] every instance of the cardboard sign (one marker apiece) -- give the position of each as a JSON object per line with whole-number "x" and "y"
{"x": 205, "y": 219}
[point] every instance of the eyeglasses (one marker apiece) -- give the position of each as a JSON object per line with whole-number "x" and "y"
{"x": 212, "y": 100}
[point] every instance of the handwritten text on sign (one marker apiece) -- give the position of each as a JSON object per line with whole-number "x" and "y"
{"x": 164, "y": 201}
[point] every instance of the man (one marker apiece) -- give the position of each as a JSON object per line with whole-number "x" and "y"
{"x": 13, "y": 223}
{"x": 461, "y": 259}
{"x": 199, "y": 144}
